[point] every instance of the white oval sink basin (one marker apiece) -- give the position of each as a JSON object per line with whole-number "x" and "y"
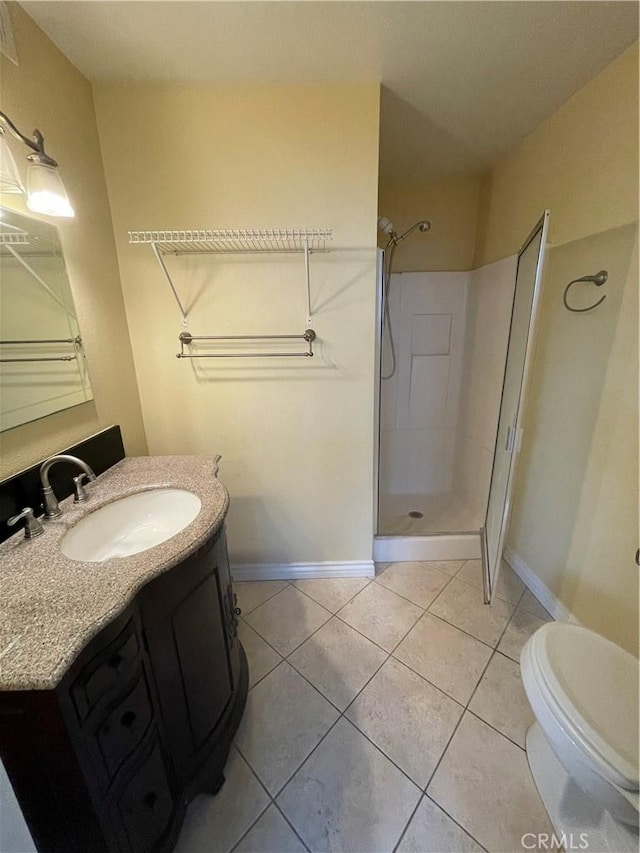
{"x": 130, "y": 525}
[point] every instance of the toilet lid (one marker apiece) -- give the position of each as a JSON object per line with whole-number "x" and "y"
{"x": 595, "y": 683}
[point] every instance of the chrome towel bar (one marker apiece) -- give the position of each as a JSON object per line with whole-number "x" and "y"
{"x": 44, "y": 358}
{"x": 77, "y": 342}
{"x": 186, "y": 338}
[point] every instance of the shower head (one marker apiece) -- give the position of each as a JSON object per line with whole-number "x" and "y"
{"x": 385, "y": 225}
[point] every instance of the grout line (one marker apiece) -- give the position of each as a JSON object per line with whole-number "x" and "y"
{"x": 462, "y": 630}
{"x": 254, "y": 822}
{"x": 307, "y": 757}
{"x": 410, "y": 600}
{"x": 466, "y": 707}
{"x": 247, "y": 612}
{"x": 466, "y": 831}
{"x": 285, "y": 818}
{"x": 342, "y": 714}
{"x": 411, "y": 817}
{"x": 320, "y": 604}
{"x": 482, "y": 720}
{"x": 430, "y": 683}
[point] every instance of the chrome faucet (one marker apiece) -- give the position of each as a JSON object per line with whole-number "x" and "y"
{"x": 51, "y": 508}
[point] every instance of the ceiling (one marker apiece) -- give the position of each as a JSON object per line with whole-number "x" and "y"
{"x": 462, "y": 81}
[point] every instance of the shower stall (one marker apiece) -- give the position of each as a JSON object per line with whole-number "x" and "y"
{"x": 443, "y": 343}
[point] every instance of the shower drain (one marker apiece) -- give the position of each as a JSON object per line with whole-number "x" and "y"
{"x": 415, "y": 514}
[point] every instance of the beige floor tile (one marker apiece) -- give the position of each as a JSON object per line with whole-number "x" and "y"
{"x": 332, "y": 593}
{"x": 271, "y": 834}
{"x": 260, "y": 656}
{"x": 531, "y": 604}
{"x": 419, "y": 582}
{"x": 521, "y": 627}
{"x": 484, "y": 783}
{"x": 501, "y": 701}
{"x": 471, "y": 572}
{"x": 381, "y": 615}
{"x": 284, "y": 720}
{"x": 450, "y": 567}
{"x": 287, "y": 619}
{"x": 445, "y": 656}
{"x": 509, "y": 588}
{"x": 338, "y": 661}
{"x": 252, "y": 594}
{"x": 348, "y": 797}
{"x": 433, "y": 831}
{"x": 462, "y": 606}
{"x": 407, "y": 718}
{"x": 216, "y": 824}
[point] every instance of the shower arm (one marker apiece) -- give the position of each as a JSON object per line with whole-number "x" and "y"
{"x": 394, "y": 238}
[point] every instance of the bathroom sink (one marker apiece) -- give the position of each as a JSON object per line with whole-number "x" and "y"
{"x": 130, "y": 525}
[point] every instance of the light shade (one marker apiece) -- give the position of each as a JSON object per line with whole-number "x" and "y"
{"x": 9, "y": 176}
{"x": 45, "y": 191}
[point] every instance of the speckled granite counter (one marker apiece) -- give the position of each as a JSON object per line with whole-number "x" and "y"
{"x": 51, "y": 606}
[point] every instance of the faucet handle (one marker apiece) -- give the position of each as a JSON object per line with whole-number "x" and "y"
{"x": 81, "y": 492}
{"x": 32, "y": 526}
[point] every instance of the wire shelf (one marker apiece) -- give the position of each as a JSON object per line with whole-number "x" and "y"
{"x": 304, "y": 241}
{"x": 241, "y": 241}
{"x": 14, "y": 238}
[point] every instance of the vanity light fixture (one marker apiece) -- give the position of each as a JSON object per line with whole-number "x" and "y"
{"x": 45, "y": 191}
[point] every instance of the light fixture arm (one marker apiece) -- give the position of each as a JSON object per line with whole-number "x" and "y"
{"x": 36, "y": 144}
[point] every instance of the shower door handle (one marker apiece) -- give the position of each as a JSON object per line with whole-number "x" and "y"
{"x": 514, "y": 440}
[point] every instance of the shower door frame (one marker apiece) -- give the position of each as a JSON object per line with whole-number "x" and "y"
{"x": 542, "y": 225}
{"x": 377, "y": 386}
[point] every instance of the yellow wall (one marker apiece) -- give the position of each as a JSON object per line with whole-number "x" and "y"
{"x": 47, "y": 92}
{"x": 452, "y": 205}
{"x": 582, "y": 163}
{"x": 575, "y": 516}
{"x": 296, "y": 435}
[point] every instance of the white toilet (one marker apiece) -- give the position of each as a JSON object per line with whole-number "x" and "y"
{"x": 583, "y": 749}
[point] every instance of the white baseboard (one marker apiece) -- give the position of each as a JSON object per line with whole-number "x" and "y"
{"x": 298, "y": 571}
{"x": 461, "y": 546}
{"x": 541, "y": 591}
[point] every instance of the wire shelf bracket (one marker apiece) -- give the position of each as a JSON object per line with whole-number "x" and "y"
{"x": 282, "y": 241}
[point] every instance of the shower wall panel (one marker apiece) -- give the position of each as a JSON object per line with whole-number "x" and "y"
{"x": 420, "y": 403}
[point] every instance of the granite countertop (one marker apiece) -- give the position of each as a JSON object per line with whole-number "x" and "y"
{"x": 51, "y": 606}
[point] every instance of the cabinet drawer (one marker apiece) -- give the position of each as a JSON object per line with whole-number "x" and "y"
{"x": 104, "y": 672}
{"x": 145, "y": 805}
{"x": 125, "y": 726}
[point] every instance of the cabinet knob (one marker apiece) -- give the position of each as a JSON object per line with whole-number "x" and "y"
{"x": 128, "y": 719}
{"x": 150, "y": 800}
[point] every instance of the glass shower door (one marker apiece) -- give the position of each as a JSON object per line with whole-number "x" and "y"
{"x": 509, "y": 436}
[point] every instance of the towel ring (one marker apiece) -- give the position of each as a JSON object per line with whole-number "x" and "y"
{"x": 598, "y": 279}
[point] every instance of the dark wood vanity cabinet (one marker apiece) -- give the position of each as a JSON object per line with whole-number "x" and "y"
{"x": 141, "y": 723}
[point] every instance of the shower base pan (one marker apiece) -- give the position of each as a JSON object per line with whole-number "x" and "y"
{"x": 447, "y": 546}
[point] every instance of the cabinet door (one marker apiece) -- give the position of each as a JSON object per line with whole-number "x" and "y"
{"x": 185, "y": 627}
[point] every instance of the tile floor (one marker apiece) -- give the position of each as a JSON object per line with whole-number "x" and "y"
{"x": 383, "y": 715}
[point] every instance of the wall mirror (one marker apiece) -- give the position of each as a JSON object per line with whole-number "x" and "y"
{"x": 42, "y": 364}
